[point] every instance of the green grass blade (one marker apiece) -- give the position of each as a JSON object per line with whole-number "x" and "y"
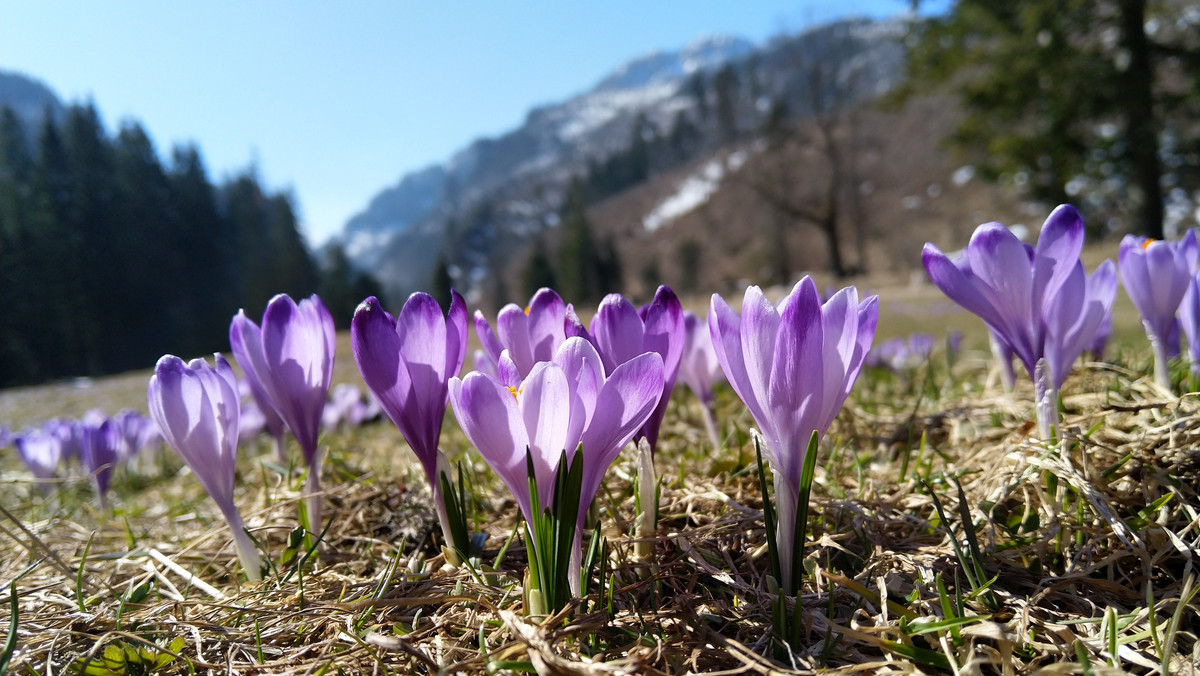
{"x": 768, "y": 514}
{"x": 14, "y": 621}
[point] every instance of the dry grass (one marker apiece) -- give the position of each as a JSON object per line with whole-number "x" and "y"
{"x": 1089, "y": 542}
{"x": 1086, "y": 544}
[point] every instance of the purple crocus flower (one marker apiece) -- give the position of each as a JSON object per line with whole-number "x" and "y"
{"x": 294, "y": 364}
{"x": 1189, "y": 319}
{"x": 41, "y": 452}
{"x": 101, "y": 450}
{"x": 139, "y": 438}
{"x": 406, "y": 362}
{"x": 559, "y": 405}
{"x": 196, "y": 406}
{"x": 621, "y": 332}
{"x": 699, "y": 368}
{"x": 1155, "y": 274}
{"x": 345, "y": 407}
{"x": 1038, "y": 301}
{"x": 245, "y": 335}
{"x": 530, "y": 334}
{"x": 69, "y": 433}
{"x": 252, "y": 423}
{"x": 793, "y": 365}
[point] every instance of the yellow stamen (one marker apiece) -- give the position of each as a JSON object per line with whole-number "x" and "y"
{"x": 1145, "y": 245}
{"x": 513, "y": 391}
{"x": 526, "y": 310}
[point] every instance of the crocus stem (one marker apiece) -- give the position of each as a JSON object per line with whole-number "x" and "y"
{"x": 1161, "y": 375}
{"x": 710, "y": 424}
{"x": 247, "y": 552}
{"x": 1004, "y": 359}
{"x": 281, "y": 449}
{"x": 786, "y": 503}
{"x": 312, "y": 486}
{"x": 1045, "y": 401}
{"x": 455, "y": 531}
{"x": 647, "y": 518}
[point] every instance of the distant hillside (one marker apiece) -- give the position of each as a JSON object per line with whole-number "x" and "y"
{"x": 29, "y": 99}
{"x": 669, "y": 138}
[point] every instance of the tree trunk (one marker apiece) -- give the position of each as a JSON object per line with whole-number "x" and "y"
{"x": 1145, "y": 169}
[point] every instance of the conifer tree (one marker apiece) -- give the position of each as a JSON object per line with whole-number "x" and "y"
{"x": 578, "y": 259}
{"x": 538, "y": 271}
{"x": 1073, "y": 99}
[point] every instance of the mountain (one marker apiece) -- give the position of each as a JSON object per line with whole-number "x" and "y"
{"x": 29, "y": 99}
{"x": 481, "y": 208}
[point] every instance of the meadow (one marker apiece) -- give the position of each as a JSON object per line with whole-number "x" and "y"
{"x": 944, "y": 537}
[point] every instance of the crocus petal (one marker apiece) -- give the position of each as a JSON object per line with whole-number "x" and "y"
{"x": 626, "y": 400}
{"x": 663, "y": 333}
{"x": 507, "y": 371}
{"x": 759, "y": 333}
{"x": 489, "y": 416}
{"x": 298, "y": 342}
{"x": 456, "y": 337}
{"x": 1189, "y": 318}
{"x": 573, "y": 327}
{"x": 724, "y": 326}
{"x": 1188, "y": 249}
{"x": 487, "y": 338}
{"x": 959, "y": 285}
{"x": 698, "y": 365}
{"x": 617, "y": 331}
{"x": 584, "y": 369}
{"x": 547, "y": 318}
{"x": 1058, "y": 248}
{"x": 377, "y": 351}
{"x": 245, "y": 339}
{"x": 800, "y": 379}
{"x": 545, "y": 401}
{"x": 512, "y": 327}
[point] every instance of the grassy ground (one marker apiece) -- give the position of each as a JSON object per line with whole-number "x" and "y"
{"x": 943, "y": 538}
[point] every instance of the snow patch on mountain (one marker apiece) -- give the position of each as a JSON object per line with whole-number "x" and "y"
{"x": 594, "y": 110}
{"x": 693, "y": 191}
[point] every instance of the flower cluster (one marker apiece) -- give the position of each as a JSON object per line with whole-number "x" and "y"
{"x": 96, "y": 443}
{"x": 1039, "y": 302}
{"x": 554, "y": 400}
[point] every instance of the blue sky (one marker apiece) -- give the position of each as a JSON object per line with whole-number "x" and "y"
{"x": 336, "y": 101}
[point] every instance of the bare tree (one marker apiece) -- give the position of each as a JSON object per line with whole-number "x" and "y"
{"x": 810, "y": 171}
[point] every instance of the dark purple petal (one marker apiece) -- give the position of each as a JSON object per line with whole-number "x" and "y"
{"x": 664, "y": 334}
{"x": 617, "y": 331}
{"x": 625, "y": 402}
{"x": 245, "y": 339}
{"x": 1058, "y": 248}
{"x": 801, "y": 381}
{"x": 298, "y": 343}
{"x": 573, "y": 327}
{"x": 547, "y": 324}
{"x": 456, "y": 338}
{"x": 1189, "y": 319}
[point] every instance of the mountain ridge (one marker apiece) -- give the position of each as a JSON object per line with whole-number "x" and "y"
{"x": 488, "y": 199}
